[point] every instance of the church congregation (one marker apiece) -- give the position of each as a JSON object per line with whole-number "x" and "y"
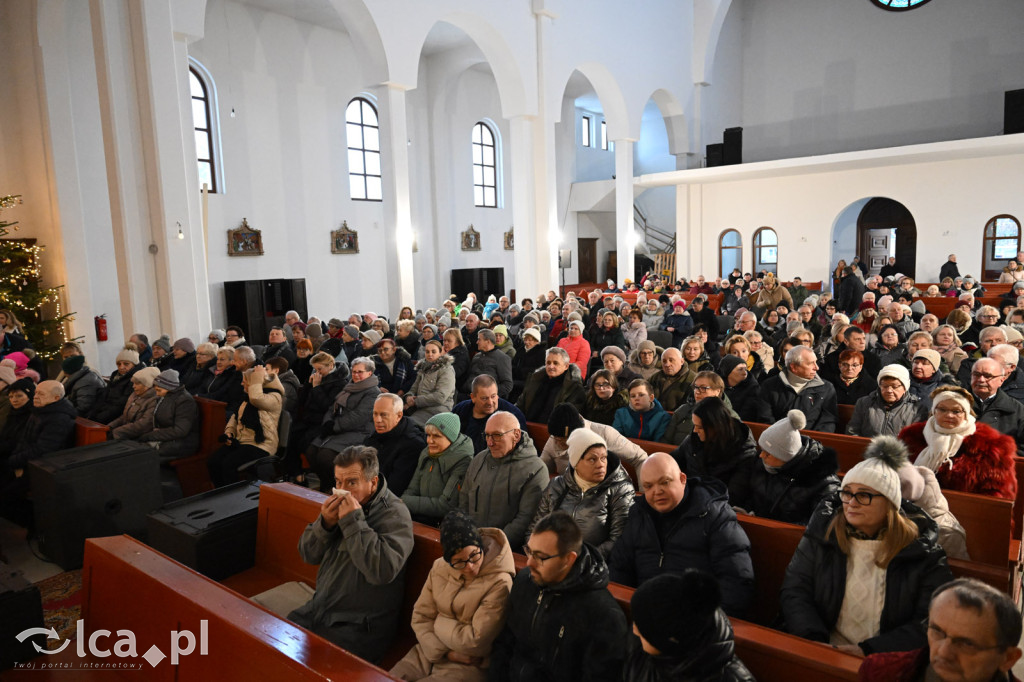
{"x": 545, "y": 340}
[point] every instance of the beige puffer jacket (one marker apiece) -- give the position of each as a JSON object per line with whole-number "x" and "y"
{"x": 452, "y": 615}
{"x": 269, "y": 405}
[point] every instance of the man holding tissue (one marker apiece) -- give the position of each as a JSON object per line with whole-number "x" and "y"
{"x": 361, "y": 540}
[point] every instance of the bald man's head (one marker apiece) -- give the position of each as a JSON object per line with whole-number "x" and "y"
{"x": 662, "y": 482}
{"x": 48, "y": 392}
{"x": 502, "y": 433}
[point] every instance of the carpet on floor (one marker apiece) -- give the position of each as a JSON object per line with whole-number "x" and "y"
{"x": 62, "y": 604}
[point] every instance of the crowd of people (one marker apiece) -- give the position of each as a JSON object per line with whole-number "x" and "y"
{"x": 424, "y": 417}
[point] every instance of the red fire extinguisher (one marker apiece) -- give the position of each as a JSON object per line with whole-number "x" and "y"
{"x": 101, "y": 327}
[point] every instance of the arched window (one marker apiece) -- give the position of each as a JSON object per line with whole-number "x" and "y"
{"x": 766, "y": 250}
{"x": 1002, "y": 242}
{"x": 485, "y": 167}
{"x": 363, "y": 133}
{"x": 204, "y": 121}
{"x": 730, "y": 252}
{"x": 899, "y": 5}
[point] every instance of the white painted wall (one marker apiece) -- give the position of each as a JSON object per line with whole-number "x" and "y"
{"x": 950, "y": 200}
{"x": 821, "y": 77}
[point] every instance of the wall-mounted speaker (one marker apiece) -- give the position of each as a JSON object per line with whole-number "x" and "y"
{"x": 1013, "y": 112}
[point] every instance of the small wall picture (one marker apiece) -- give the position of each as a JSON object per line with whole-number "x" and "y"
{"x": 344, "y": 240}
{"x": 245, "y": 241}
{"x": 510, "y": 239}
{"x": 470, "y": 240}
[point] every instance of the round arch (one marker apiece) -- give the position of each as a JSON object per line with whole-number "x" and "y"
{"x": 765, "y": 251}
{"x": 366, "y": 36}
{"x": 613, "y": 103}
{"x": 730, "y": 252}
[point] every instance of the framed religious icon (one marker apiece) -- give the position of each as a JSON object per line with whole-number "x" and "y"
{"x": 344, "y": 240}
{"x": 471, "y": 240}
{"x": 510, "y": 239}
{"x": 245, "y": 241}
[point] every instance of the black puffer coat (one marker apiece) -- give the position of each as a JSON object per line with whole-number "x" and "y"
{"x": 702, "y": 533}
{"x": 815, "y": 584}
{"x": 713, "y": 659}
{"x": 695, "y": 460}
{"x": 49, "y": 429}
{"x": 110, "y": 407}
{"x": 600, "y": 512}
{"x": 817, "y": 401}
{"x": 792, "y": 493}
{"x": 550, "y": 632}
{"x": 175, "y": 425}
{"x": 398, "y": 451}
{"x": 216, "y": 386}
{"x": 746, "y": 400}
{"x": 198, "y": 377}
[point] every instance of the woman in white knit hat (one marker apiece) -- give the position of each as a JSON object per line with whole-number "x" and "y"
{"x": 792, "y": 475}
{"x": 863, "y": 574}
{"x": 595, "y": 489}
{"x": 889, "y": 408}
{"x": 965, "y": 454}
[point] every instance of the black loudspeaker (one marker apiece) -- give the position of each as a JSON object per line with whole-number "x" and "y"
{"x": 22, "y": 608}
{"x": 213, "y": 532}
{"x": 90, "y": 492}
{"x": 733, "y": 141}
{"x": 481, "y": 281}
{"x": 715, "y": 155}
{"x": 256, "y": 305}
{"x": 1013, "y": 112}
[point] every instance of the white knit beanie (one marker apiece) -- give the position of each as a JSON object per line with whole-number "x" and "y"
{"x": 782, "y": 439}
{"x": 145, "y": 376}
{"x": 898, "y": 372}
{"x": 880, "y": 469}
{"x": 581, "y": 440}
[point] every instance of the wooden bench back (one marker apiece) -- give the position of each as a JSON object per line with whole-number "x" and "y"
{"x": 88, "y": 432}
{"x": 128, "y": 585}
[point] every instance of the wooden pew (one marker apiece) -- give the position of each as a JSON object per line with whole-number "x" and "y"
{"x": 845, "y": 415}
{"x": 192, "y": 472}
{"x": 286, "y": 509}
{"x": 88, "y": 432}
{"x": 127, "y": 585}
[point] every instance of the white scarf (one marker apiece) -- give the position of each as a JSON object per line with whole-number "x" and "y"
{"x": 943, "y": 444}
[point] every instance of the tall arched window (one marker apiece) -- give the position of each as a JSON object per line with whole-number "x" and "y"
{"x": 203, "y": 120}
{"x": 1002, "y": 242}
{"x": 485, "y": 167}
{"x": 766, "y": 250}
{"x": 363, "y": 134}
{"x": 730, "y": 252}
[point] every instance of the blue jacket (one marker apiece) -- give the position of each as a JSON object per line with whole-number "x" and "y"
{"x": 703, "y": 534}
{"x": 649, "y": 425}
{"x": 682, "y": 324}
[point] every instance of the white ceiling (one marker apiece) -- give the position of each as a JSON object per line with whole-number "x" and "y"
{"x": 442, "y": 37}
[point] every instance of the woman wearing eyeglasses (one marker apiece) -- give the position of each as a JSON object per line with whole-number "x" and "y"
{"x": 604, "y": 398}
{"x": 863, "y": 574}
{"x": 965, "y": 454}
{"x": 462, "y": 606}
{"x": 594, "y": 489}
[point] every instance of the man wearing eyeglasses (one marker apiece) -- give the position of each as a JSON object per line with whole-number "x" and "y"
{"x": 987, "y": 316}
{"x": 994, "y": 407}
{"x": 562, "y": 623}
{"x": 504, "y": 483}
{"x": 973, "y": 634}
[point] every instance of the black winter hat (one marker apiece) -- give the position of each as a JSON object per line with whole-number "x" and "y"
{"x": 564, "y": 419}
{"x": 728, "y": 364}
{"x": 672, "y": 609}
{"x": 26, "y": 386}
{"x": 458, "y": 531}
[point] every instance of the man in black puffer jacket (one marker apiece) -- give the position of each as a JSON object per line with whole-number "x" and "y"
{"x": 398, "y": 441}
{"x": 562, "y": 623}
{"x": 684, "y": 523}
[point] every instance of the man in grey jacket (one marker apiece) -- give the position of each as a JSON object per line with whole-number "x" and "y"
{"x": 504, "y": 483}
{"x": 361, "y": 540}
{"x": 491, "y": 361}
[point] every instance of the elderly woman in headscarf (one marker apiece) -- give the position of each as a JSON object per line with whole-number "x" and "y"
{"x": 965, "y": 454}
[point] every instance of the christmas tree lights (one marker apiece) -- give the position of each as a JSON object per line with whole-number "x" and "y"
{"x": 37, "y": 307}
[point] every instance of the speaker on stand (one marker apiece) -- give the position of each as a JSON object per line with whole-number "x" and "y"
{"x": 564, "y": 262}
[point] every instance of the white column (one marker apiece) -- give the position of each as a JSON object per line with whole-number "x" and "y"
{"x": 534, "y": 213}
{"x": 394, "y": 147}
{"x": 168, "y": 134}
{"x": 624, "y": 230}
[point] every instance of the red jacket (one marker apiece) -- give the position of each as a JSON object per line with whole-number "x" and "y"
{"x": 898, "y": 666}
{"x": 984, "y": 465}
{"x": 579, "y": 352}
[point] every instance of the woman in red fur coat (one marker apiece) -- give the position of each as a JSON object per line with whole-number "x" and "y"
{"x": 965, "y": 454}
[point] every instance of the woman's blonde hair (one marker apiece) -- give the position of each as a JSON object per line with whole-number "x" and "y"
{"x": 898, "y": 532}
{"x": 735, "y": 340}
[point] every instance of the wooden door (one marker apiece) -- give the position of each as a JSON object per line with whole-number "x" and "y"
{"x": 586, "y": 252}
{"x": 877, "y": 249}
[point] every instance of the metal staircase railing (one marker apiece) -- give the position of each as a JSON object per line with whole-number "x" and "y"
{"x": 657, "y": 240}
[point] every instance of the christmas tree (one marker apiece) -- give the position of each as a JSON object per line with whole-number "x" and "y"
{"x": 36, "y": 307}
